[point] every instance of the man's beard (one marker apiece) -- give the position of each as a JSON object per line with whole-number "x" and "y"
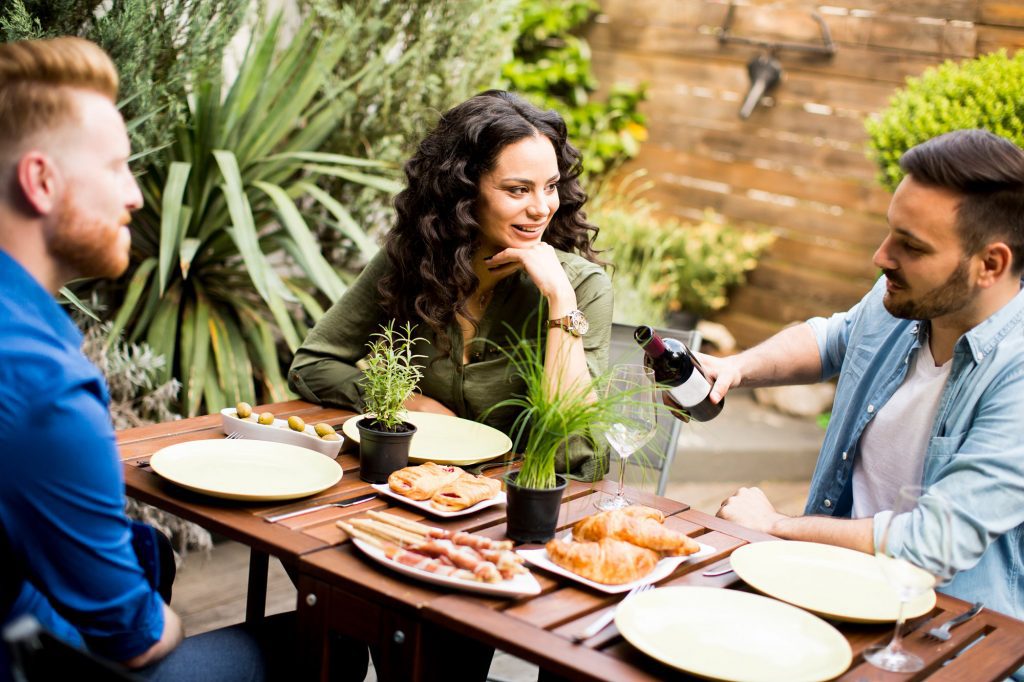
{"x": 86, "y": 246}
{"x": 949, "y": 297}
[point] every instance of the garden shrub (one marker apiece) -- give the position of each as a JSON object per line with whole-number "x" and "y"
{"x": 977, "y": 93}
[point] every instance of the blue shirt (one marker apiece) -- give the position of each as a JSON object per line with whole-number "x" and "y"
{"x": 61, "y": 486}
{"x": 975, "y": 455}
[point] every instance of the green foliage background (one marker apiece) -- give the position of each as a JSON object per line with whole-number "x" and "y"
{"x": 552, "y": 68}
{"x": 984, "y": 92}
{"x": 157, "y": 46}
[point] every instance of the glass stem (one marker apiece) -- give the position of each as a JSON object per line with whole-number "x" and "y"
{"x": 896, "y": 645}
{"x": 622, "y": 477}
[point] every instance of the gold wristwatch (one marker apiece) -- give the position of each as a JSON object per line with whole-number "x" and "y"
{"x": 574, "y": 323}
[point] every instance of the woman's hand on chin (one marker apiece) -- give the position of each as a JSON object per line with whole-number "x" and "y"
{"x": 542, "y": 266}
{"x": 422, "y": 403}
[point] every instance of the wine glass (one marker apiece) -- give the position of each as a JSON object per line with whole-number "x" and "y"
{"x": 634, "y": 423}
{"x": 907, "y": 579}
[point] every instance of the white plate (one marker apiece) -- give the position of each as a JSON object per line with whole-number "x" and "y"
{"x": 424, "y": 505}
{"x": 732, "y": 635}
{"x": 662, "y": 569}
{"x": 521, "y": 585}
{"x": 830, "y": 581}
{"x": 278, "y": 432}
{"x": 446, "y": 440}
{"x": 246, "y": 469}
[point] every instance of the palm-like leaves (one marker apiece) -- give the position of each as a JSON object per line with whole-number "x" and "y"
{"x": 225, "y": 257}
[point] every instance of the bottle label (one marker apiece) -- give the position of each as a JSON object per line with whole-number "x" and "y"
{"x": 692, "y": 391}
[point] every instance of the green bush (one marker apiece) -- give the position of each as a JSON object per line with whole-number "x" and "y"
{"x": 552, "y": 68}
{"x": 224, "y": 259}
{"x": 157, "y": 47}
{"x": 665, "y": 265}
{"x": 977, "y": 93}
{"x": 417, "y": 58}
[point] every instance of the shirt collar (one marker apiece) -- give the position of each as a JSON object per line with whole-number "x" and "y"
{"x": 982, "y": 339}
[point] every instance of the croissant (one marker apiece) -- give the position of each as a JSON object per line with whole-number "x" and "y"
{"x": 636, "y": 528}
{"x": 608, "y": 561}
{"x": 464, "y": 492}
{"x": 421, "y": 482}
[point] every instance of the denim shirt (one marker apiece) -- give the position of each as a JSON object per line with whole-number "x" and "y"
{"x": 975, "y": 456}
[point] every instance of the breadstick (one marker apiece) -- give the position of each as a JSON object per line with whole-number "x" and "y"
{"x": 399, "y": 522}
{"x": 388, "y": 532}
{"x": 361, "y": 534}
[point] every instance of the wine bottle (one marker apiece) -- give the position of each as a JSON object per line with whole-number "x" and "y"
{"x": 679, "y": 369}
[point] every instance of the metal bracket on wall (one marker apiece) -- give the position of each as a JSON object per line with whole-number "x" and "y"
{"x": 765, "y": 70}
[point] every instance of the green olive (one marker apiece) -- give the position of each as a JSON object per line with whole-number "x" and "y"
{"x": 295, "y": 423}
{"x": 266, "y": 418}
{"x": 323, "y": 429}
{"x": 330, "y": 436}
{"x": 243, "y": 410}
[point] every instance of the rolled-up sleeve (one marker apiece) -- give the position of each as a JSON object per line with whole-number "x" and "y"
{"x": 833, "y": 335}
{"x": 324, "y": 369}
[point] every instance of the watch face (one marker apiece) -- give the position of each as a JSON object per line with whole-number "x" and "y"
{"x": 578, "y": 322}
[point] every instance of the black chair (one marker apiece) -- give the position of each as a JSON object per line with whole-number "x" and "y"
{"x": 661, "y": 451}
{"x": 38, "y": 656}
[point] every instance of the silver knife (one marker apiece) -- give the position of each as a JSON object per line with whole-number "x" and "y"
{"x": 344, "y": 503}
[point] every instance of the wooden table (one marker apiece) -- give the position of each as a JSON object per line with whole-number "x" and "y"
{"x": 419, "y": 630}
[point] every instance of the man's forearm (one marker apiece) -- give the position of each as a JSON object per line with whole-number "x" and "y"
{"x": 789, "y": 357}
{"x": 851, "y": 533}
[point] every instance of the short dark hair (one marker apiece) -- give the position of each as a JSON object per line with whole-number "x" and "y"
{"x": 988, "y": 172}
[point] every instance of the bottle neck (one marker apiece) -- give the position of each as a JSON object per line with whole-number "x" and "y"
{"x": 650, "y": 342}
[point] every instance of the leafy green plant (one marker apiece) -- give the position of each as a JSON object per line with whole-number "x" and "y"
{"x": 158, "y": 48}
{"x": 424, "y": 57}
{"x": 664, "y": 264}
{"x": 976, "y": 93}
{"x": 552, "y": 420}
{"x": 224, "y": 261}
{"x": 390, "y": 375}
{"x": 552, "y": 68}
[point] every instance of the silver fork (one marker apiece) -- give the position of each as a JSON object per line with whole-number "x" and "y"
{"x": 234, "y": 435}
{"x": 941, "y": 633}
{"x": 602, "y": 622}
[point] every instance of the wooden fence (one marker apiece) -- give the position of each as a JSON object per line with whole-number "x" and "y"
{"x": 799, "y": 164}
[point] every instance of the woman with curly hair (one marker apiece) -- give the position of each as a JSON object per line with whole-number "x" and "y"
{"x": 490, "y": 234}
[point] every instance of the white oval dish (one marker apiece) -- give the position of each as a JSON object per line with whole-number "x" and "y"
{"x": 278, "y": 432}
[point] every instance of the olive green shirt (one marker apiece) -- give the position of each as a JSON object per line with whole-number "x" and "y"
{"x": 324, "y": 369}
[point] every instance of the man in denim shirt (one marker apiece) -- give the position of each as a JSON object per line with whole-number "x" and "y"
{"x": 931, "y": 378}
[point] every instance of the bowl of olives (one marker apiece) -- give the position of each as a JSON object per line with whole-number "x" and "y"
{"x": 247, "y": 423}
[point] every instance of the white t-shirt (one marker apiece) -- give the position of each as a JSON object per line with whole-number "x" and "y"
{"x": 894, "y": 443}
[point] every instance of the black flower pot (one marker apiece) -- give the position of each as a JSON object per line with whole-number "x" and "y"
{"x": 382, "y": 452}
{"x": 532, "y": 512}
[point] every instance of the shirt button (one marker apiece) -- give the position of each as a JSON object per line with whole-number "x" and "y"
{"x": 871, "y": 409}
{"x": 845, "y": 455}
{"x": 828, "y": 503}
{"x": 980, "y": 356}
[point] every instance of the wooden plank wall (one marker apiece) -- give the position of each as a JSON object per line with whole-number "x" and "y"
{"x": 798, "y": 165}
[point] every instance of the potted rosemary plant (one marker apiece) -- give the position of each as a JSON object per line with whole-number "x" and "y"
{"x": 552, "y": 421}
{"x": 389, "y": 378}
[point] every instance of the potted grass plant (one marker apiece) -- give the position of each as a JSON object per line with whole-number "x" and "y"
{"x": 552, "y": 420}
{"x": 390, "y": 376}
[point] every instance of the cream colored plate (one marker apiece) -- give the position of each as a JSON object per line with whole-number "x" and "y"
{"x": 830, "y": 581}
{"x": 732, "y": 635}
{"x": 246, "y": 469}
{"x": 446, "y": 440}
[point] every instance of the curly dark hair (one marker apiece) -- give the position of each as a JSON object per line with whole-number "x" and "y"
{"x": 432, "y": 243}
